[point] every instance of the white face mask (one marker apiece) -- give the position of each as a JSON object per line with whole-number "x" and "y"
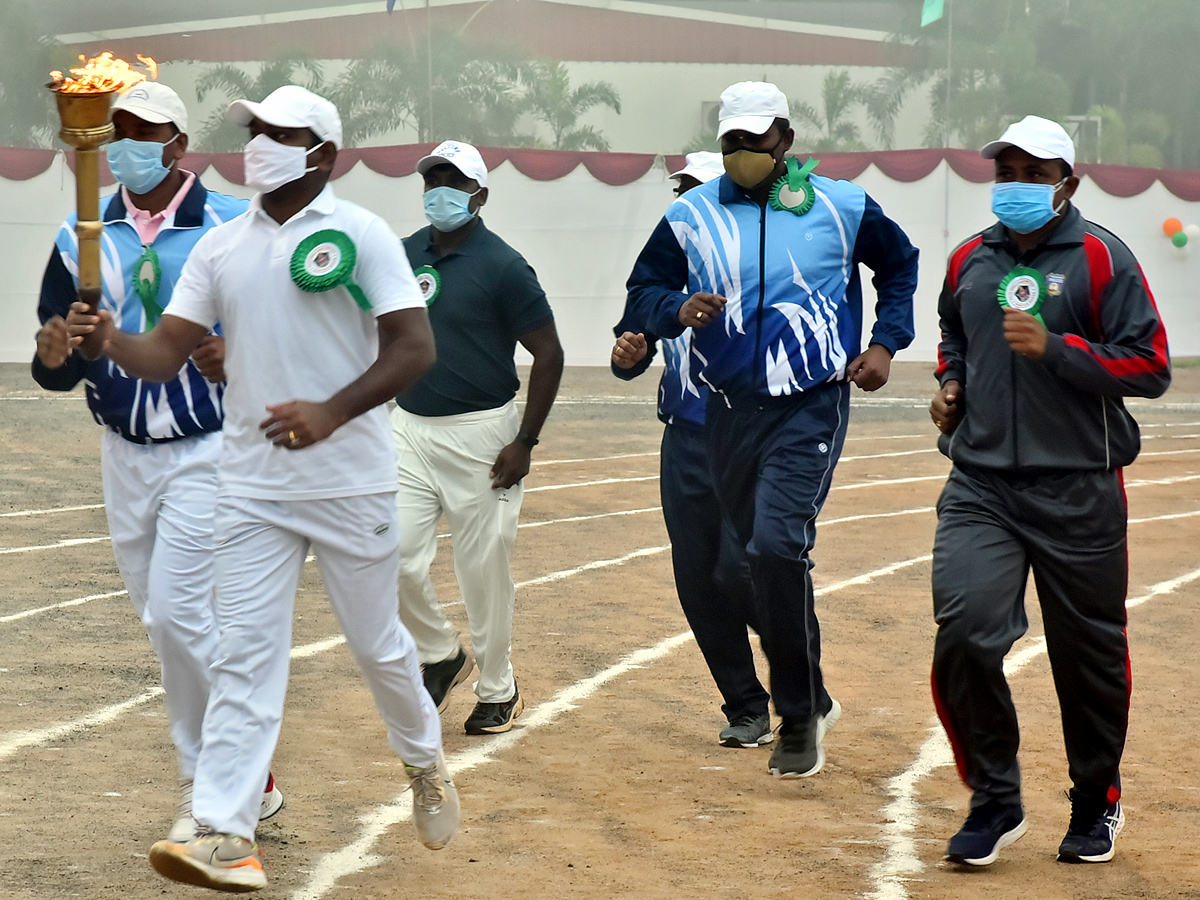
{"x": 270, "y": 165}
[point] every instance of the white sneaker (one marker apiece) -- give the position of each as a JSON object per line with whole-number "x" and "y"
{"x": 435, "y": 803}
{"x": 272, "y": 799}
{"x": 184, "y": 827}
{"x": 223, "y": 862}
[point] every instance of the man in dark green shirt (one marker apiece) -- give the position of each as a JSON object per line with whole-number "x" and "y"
{"x": 462, "y": 450}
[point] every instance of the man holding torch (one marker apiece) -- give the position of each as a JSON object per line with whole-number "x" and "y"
{"x": 161, "y": 443}
{"x": 324, "y": 323}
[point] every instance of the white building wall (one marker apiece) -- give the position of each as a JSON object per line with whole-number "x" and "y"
{"x": 582, "y": 237}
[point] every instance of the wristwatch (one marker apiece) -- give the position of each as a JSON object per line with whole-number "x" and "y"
{"x": 527, "y": 439}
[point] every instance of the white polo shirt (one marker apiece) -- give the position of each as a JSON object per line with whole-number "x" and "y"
{"x": 283, "y": 343}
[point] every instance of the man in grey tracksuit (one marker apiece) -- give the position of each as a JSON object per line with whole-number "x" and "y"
{"x": 1047, "y": 323}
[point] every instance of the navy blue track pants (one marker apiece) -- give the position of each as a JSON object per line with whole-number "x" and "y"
{"x": 772, "y": 463}
{"x": 711, "y": 574}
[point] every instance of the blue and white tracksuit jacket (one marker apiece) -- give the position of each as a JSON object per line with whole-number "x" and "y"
{"x": 140, "y": 411}
{"x": 793, "y": 317}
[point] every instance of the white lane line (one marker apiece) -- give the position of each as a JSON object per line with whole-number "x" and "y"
{"x": 886, "y": 481}
{"x": 81, "y": 600}
{"x": 21, "y": 513}
{"x": 889, "y": 437}
{"x": 871, "y": 576}
{"x": 359, "y": 855}
{"x": 78, "y": 601}
{"x": 575, "y": 484}
{"x": 888, "y": 455}
{"x": 591, "y": 459}
{"x": 597, "y": 564}
{"x": 1166, "y": 518}
{"x": 69, "y": 542}
{"x": 19, "y": 740}
{"x": 1168, "y": 452}
{"x": 1175, "y": 479}
{"x": 886, "y": 515}
{"x": 14, "y": 741}
{"x": 902, "y": 814}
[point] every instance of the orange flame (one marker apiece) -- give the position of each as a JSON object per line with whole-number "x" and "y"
{"x": 102, "y": 73}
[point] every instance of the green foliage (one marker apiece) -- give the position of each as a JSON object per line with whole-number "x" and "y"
{"x": 442, "y": 88}
{"x": 27, "y": 116}
{"x": 551, "y": 100}
{"x": 1060, "y": 58}
{"x": 217, "y": 134}
{"x": 831, "y": 129}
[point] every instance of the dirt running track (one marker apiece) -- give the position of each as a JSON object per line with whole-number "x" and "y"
{"x": 613, "y": 784}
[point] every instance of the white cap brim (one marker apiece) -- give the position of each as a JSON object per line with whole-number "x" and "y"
{"x": 701, "y": 175}
{"x": 751, "y": 124}
{"x": 995, "y": 148}
{"x": 153, "y": 116}
{"x": 241, "y": 112}
{"x": 425, "y": 163}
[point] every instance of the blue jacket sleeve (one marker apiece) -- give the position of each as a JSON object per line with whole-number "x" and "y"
{"x": 630, "y": 322}
{"x": 58, "y": 293}
{"x": 886, "y": 250}
{"x": 653, "y": 290}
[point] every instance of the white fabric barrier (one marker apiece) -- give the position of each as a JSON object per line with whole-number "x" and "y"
{"x": 582, "y": 237}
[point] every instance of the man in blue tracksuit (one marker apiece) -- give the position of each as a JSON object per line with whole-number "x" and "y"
{"x": 769, "y": 253}
{"x": 711, "y": 576}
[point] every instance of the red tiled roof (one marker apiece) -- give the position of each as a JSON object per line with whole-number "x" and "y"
{"x": 536, "y": 28}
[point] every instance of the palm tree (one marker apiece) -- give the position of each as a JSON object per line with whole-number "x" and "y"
{"x": 831, "y": 130}
{"x": 27, "y": 117}
{"x": 441, "y": 89}
{"x": 550, "y": 100}
{"x": 217, "y": 134}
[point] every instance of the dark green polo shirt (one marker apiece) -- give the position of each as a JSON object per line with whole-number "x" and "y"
{"x": 489, "y": 297}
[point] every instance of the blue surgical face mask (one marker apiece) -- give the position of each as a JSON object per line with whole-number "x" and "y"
{"x": 1025, "y": 207}
{"x": 447, "y": 208}
{"x": 138, "y": 164}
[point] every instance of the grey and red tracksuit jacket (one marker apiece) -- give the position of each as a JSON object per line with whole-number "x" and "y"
{"x": 1106, "y": 341}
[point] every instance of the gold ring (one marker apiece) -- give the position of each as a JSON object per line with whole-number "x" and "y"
{"x": 292, "y": 436}
{"x": 699, "y": 315}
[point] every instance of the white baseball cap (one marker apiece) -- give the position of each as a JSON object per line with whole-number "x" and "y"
{"x": 1038, "y": 137}
{"x": 702, "y": 165}
{"x": 462, "y": 156}
{"x": 750, "y": 106}
{"x": 291, "y": 106}
{"x": 155, "y": 103}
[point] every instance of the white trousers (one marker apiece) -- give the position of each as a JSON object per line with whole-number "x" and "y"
{"x": 261, "y": 546}
{"x": 160, "y": 500}
{"x": 444, "y": 464}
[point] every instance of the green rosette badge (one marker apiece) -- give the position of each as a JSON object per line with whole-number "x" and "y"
{"x": 794, "y": 192}
{"x": 430, "y": 282}
{"x": 147, "y": 279}
{"x": 325, "y": 260}
{"x": 1025, "y": 289}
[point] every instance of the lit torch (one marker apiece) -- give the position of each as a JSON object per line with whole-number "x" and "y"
{"x": 84, "y": 97}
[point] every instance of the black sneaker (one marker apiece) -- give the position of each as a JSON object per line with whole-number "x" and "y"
{"x": 989, "y": 829}
{"x": 1092, "y": 835}
{"x": 800, "y": 751}
{"x": 494, "y": 718}
{"x": 747, "y": 731}
{"x": 443, "y": 677}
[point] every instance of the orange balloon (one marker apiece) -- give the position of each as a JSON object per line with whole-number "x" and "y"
{"x": 1172, "y": 227}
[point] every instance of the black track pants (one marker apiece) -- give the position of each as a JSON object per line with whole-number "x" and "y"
{"x": 993, "y": 527}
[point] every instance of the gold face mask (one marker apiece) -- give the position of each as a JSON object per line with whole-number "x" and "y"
{"x": 749, "y": 168}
